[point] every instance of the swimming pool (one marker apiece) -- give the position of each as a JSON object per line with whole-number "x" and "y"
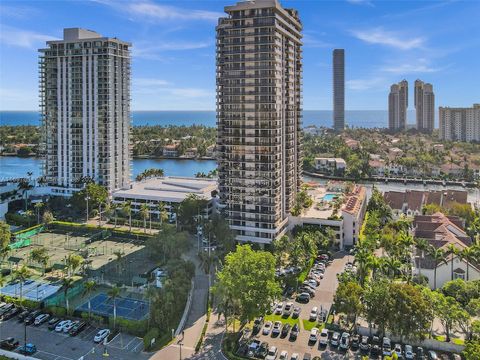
{"x": 329, "y": 197}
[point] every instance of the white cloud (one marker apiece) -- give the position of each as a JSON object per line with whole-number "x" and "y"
{"x": 160, "y": 87}
{"x": 314, "y": 42}
{"x": 154, "y": 52}
{"x": 365, "y": 84}
{"x": 148, "y": 10}
{"x": 381, "y": 36}
{"x": 22, "y": 38}
{"x": 410, "y": 68}
{"x": 361, "y": 2}
{"x": 18, "y": 99}
{"x": 18, "y": 12}
{"x": 147, "y": 82}
{"x": 191, "y": 92}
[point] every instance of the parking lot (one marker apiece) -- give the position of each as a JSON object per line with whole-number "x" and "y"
{"x": 60, "y": 346}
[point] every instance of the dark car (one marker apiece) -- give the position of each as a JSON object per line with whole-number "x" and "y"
{"x": 31, "y": 317}
{"x": 364, "y": 345}
{"x": 11, "y": 313}
{"x": 77, "y": 328}
{"x": 376, "y": 348}
{"x": 355, "y": 342}
{"x": 6, "y": 308}
{"x": 419, "y": 353}
{"x": 307, "y": 356}
{"x": 27, "y": 349}
{"x": 257, "y": 325}
{"x": 303, "y": 298}
{"x": 52, "y": 323}
{"x": 432, "y": 355}
{"x": 308, "y": 290}
{"x": 9, "y": 344}
{"x": 285, "y": 329}
{"x": 262, "y": 350}
{"x": 23, "y": 315}
{"x": 294, "y": 332}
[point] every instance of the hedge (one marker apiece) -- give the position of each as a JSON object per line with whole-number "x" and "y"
{"x": 18, "y": 219}
{"x": 147, "y": 339}
{"x": 28, "y": 229}
{"x": 31, "y": 304}
{"x": 132, "y": 327}
{"x": 93, "y": 228}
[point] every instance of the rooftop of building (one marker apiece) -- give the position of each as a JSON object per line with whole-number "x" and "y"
{"x": 168, "y": 189}
{"x": 416, "y": 199}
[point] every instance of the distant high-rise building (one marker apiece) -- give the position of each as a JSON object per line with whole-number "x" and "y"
{"x": 460, "y": 124}
{"x": 259, "y": 82}
{"x": 338, "y": 89}
{"x": 397, "y": 106}
{"x": 85, "y": 105}
{"x": 424, "y": 106}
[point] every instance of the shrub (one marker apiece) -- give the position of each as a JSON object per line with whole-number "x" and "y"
{"x": 147, "y": 340}
{"x": 57, "y": 311}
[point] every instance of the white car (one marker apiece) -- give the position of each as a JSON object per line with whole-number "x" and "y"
{"x": 272, "y": 353}
{"x": 61, "y": 325}
{"x": 313, "y": 314}
{"x": 313, "y": 335}
{"x": 324, "y": 337}
{"x": 40, "y": 319}
{"x": 283, "y": 355}
{"x": 295, "y": 356}
{"x": 279, "y": 308}
{"x": 287, "y": 310}
{"x": 267, "y": 327}
{"x": 102, "y": 334}
{"x": 345, "y": 341}
{"x": 409, "y": 352}
{"x": 68, "y": 327}
{"x": 335, "y": 340}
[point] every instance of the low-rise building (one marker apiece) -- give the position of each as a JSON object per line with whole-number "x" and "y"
{"x": 441, "y": 231}
{"x": 170, "y": 150}
{"x": 330, "y": 166}
{"x": 210, "y": 151}
{"x": 191, "y": 152}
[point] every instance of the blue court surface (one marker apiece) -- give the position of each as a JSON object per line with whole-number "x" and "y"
{"x": 30, "y": 289}
{"x": 127, "y": 308}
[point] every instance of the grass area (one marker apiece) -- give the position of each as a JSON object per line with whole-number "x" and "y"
{"x": 453, "y": 340}
{"x": 288, "y": 320}
{"x": 309, "y": 325}
{"x": 303, "y": 275}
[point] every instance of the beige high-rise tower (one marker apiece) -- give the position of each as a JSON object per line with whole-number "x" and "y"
{"x": 259, "y": 84}
{"x": 85, "y": 104}
{"x": 397, "y": 106}
{"x": 424, "y": 106}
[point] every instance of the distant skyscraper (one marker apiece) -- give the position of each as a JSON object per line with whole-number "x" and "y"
{"x": 259, "y": 82}
{"x": 424, "y": 106}
{"x": 85, "y": 104}
{"x": 338, "y": 89}
{"x": 460, "y": 124}
{"x": 397, "y": 106}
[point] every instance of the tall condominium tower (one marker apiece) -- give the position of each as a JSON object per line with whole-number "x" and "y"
{"x": 339, "y": 89}
{"x": 460, "y": 124}
{"x": 424, "y": 106}
{"x": 397, "y": 106}
{"x": 85, "y": 105}
{"x": 259, "y": 83}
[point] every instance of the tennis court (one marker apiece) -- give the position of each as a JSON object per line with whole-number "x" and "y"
{"x": 31, "y": 290}
{"x": 127, "y": 308}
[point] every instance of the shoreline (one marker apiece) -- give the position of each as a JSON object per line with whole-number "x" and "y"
{"x": 146, "y": 157}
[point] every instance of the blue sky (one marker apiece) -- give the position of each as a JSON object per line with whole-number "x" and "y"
{"x": 174, "y": 48}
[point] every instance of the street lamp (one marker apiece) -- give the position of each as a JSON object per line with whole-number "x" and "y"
{"x": 86, "y": 199}
{"x": 180, "y": 343}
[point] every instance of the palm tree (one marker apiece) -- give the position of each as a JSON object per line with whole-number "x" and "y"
{"x": 67, "y": 284}
{"x": 452, "y": 250}
{"x": 162, "y": 212}
{"x": 362, "y": 258}
{"x": 113, "y": 293}
{"x": 393, "y": 265}
{"x": 88, "y": 288}
{"x": 37, "y": 207}
{"x": 40, "y": 255}
{"x": 22, "y": 274}
{"x": 144, "y": 212}
{"x": 115, "y": 208}
{"x": 127, "y": 208}
{"x": 24, "y": 186}
{"x": 438, "y": 256}
{"x": 468, "y": 254}
{"x": 73, "y": 262}
{"x": 422, "y": 245}
{"x": 119, "y": 256}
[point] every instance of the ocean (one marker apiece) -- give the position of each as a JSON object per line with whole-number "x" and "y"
{"x": 354, "y": 118}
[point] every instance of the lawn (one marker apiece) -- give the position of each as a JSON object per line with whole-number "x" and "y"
{"x": 309, "y": 325}
{"x": 453, "y": 340}
{"x": 274, "y": 318}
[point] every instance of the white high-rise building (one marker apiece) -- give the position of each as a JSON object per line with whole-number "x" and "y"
{"x": 460, "y": 124}
{"x": 85, "y": 105}
{"x": 339, "y": 89}
{"x": 424, "y": 106}
{"x": 259, "y": 84}
{"x": 397, "y": 106}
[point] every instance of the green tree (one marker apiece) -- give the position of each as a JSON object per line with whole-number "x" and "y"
{"x": 190, "y": 209}
{"x": 21, "y": 274}
{"x": 377, "y": 203}
{"x": 348, "y": 300}
{"x": 24, "y": 186}
{"x": 5, "y": 236}
{"x": 448, "y": 311}
{"x": 127, "y": 209}
{"x": 469, "y": 255}
{"x": 168, "y": 243}
{"x": 438, "y": 256}
{"x": 88, "y": 288}
{"x": 248, "y": 277}
{"x": 97, "y": 194}
{"x": 40, "y": 255}
{"x": 72, "y": 263}
{"x": 38, "y": 206}
{"x": 47, "y": 217}
{"x": 144, "y": 213}
{"x": 378, "y": 303}
{"x": 67, "y": 283}
{"x": 113, "y": 293}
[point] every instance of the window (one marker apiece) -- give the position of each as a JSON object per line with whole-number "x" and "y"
{"x": 459, "y": 274}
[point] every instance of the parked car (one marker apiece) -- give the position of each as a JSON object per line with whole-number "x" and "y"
{"x": 61, "y": 325}
{"x": 23, "y": 315}
{"x": 283, "y": 355}
{"x": 313, "y": 335}
{"x": 11, "y": 313}
{"x": 355, "y": 342}
{"x": 287, "y": 310}
{"x": 262, "y": 350}
{"x": 27, "y": 349}
{"x": 9, "y": 344}
{"x": 386, "y": 347}
{"x": 364, "y": 345}
{"x": 345, "y": 341}
{"x": 31, "y": 317}
{"x": 6, "y": 308}
{"x": 101, "y": 335}
{"x": 285, "y": 329}
{"x": 279, "y": 308}
{"x": 323, "y": 337}
{"x": 272, "y": 353}
{"x": 40, "y": 319}
{"x": 276, "y": 328}
{"x": 376, "y": 348}
{"x": 432, "y": 355}
{"x": 313, "y": 314}
{"x": 296, "y": 312}
{"x": 257, "y": 325}
{"x": 77, "y": 328}
{"x": 267, "y": 327}
{"x": 409, "y": 352}
{"x": 294, "y": 332}
{"x": 304, "y": 297}
{"x": 419, "y": 353}
{"x": 68, "y": 327}
{"x": 52, "y": 323}
{"x": 335, "y": 340}
{"x": 307, "y": 356}
{"x": 295, "y": 356}
{"x": 398, "y": 350}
